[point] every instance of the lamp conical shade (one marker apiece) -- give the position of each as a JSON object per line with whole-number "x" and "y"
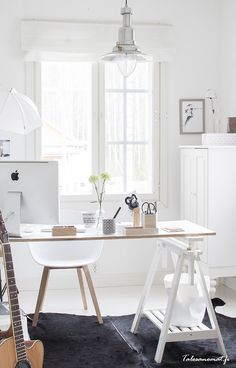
{"x": 18, "y": 113}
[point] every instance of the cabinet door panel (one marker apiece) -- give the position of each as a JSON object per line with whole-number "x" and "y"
{"x": 201, "y": 186}
{"x": 194, "y": 185}
{"x": 222, "y": 207}
{"x": 187, "y": 183}
{"x": 194, "y": 189}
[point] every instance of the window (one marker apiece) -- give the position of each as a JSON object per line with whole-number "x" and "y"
{"x": 93, "y": 120}
{"x": 66, "y": 103}
{"x": 129, "y": 129}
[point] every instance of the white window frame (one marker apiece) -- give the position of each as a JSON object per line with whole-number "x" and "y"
{"x": 155, "y": 129}
{"x": 160, "y": 128}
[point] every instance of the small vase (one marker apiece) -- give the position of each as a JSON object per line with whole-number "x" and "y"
{"x": 100, "y": 216}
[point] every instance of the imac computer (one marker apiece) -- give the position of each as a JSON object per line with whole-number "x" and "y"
{"x": 28, "y": 193}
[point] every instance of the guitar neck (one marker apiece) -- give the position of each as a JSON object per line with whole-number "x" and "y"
{"x": 13, "y": 303}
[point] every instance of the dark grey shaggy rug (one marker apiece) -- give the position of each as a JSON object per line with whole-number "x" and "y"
{"x": 72, "y": 341}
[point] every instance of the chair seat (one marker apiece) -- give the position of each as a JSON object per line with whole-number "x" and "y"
{"x": 64, "y": 254}
{"x": 65, "y": 263}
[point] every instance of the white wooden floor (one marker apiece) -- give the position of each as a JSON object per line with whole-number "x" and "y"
{"x": 113, "y": 300}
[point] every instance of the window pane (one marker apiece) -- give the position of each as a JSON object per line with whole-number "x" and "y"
{"x": 139, "y": 120}
{"x": 113, "y": 77}
{"x": 139, "y": 168}
{"x": 114, "y": 123}
{"x": 140, "y": 78}
{"x": 67, "y": 120}
{"x": 115, "y": 166}
{"x": 129, "y": 124}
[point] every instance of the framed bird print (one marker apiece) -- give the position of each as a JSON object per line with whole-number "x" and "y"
{"x": 192, "y": 116}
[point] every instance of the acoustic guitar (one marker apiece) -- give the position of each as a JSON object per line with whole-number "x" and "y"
{"x": 14, "y": 351}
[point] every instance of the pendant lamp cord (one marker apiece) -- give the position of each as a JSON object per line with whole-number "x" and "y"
{"x": 126, "y": 3}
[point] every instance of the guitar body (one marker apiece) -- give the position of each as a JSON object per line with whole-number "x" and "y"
{"x": 34, "y": 353}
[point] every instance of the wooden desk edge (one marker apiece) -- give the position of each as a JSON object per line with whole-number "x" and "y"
{"x": 112, "y": 237}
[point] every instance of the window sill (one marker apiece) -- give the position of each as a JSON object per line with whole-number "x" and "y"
{"x": 67, "y": 199}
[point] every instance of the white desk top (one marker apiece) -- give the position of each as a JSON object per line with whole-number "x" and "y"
{"x": 190, "y": 230}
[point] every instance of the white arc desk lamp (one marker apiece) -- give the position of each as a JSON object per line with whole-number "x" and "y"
{"x": 18, "y": 115}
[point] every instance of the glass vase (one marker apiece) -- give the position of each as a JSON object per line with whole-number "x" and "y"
{"x": 100, "y": 216}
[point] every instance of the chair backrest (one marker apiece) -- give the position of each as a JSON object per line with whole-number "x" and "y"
{"x": 54, "y": 252}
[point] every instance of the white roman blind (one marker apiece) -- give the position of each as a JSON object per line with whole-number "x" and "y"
{"x": 40, "y": 39}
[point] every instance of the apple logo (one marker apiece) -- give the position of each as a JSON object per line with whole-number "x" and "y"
{"x": 15, "y": 176}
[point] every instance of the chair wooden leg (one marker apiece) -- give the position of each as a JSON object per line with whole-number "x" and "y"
{"x": 92, "y": 292}
{"x": 41, "y": 294}
{"x": 81, "y": 283}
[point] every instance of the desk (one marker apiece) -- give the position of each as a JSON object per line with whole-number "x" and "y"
{"x": 182, "y": 243}
{"x": 190, "y": 230}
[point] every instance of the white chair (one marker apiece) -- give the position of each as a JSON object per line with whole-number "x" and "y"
{"x": 65, "y": 255}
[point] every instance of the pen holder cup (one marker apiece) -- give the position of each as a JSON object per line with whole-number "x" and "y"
{"x": 149, "y": 221}
{"x": 108, "y": 226}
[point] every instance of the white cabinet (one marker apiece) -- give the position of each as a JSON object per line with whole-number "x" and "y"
{"x": 208, "y": 197}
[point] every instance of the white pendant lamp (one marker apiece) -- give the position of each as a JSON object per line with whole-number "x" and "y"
{"x": 126, "y": 53}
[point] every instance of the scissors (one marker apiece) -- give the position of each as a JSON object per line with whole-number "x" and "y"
{"x": 149, "y": 208}
{"x": 132, "y": 201}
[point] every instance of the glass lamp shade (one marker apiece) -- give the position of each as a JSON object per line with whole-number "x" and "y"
{"x": 126, "y": 65}
{"x": 126, "y": 61}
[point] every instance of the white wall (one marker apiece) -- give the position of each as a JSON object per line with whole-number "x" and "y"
{"x": 227, "y": 55}
{"x": 193, "y": 70}
{"x": 227, "y": 59}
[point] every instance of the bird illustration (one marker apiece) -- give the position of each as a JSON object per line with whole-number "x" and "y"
{"x": 189, "y": 112}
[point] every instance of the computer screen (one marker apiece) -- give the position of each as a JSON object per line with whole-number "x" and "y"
{"x": 29, "y": 190}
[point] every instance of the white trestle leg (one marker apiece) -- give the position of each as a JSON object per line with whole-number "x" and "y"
{"x": 162, "y": 319}
{"x": 147, "y": 287}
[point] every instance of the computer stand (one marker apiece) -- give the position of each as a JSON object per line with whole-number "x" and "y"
{"x": 2, "y": 288}
{"x": 12, "y": 211}
{"x": 12, "y": 220}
